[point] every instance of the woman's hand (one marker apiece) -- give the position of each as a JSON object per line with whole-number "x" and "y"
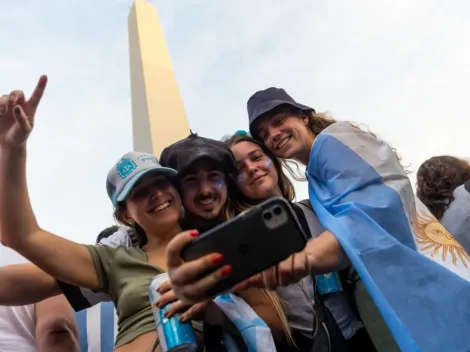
{"x": 17, "y": 115}
{"x": 206, "y": 311}
{"x": 287, "y": 272}
{"x": 191, "y": 280}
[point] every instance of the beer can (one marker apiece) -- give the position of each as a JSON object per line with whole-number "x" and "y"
{"x": 174, "y": 336}
{"x": 328, "y": 284}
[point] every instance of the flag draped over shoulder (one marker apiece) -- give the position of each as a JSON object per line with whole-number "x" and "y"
{"x": 362, "y": 194}
{"x": 254, "y": 331}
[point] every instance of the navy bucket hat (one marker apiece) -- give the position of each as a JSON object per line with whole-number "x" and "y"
{"x": 266, "y": 100}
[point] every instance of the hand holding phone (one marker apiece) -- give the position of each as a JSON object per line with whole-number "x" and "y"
{"x": 251, "y": 242}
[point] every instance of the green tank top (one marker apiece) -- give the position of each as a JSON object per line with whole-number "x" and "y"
{"x": 125, "y": 275}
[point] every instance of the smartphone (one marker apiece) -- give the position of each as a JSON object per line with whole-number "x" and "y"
{"x": 251, "y": 242}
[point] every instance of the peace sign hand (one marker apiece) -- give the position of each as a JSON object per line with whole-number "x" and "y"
{"x": 17, "y": 115}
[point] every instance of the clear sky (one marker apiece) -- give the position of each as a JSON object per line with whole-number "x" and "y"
{"x": 401, "y": 68}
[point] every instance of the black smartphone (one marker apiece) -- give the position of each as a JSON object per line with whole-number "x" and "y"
{"x": 251, "y": 242}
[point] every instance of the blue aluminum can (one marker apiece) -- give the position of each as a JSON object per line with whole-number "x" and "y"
{"x": 328, "y": 284}
{"x": 174, "y": 336}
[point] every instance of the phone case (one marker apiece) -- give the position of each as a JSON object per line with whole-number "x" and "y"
{"x": 251, "y": 242}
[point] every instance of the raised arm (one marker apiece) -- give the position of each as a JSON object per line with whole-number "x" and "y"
{"x": 61, "y": 258}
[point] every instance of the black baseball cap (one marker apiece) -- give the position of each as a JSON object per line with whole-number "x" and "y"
{"x": 184, "y": 153}
{"x": 266, "y": 100}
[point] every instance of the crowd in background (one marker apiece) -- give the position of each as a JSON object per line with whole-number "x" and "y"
{"x": 361, "y": 218}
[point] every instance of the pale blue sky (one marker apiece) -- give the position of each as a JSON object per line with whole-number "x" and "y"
{"x": 402, "y": 68}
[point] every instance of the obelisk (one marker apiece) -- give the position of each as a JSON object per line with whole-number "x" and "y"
{"x": 158, "y": 115}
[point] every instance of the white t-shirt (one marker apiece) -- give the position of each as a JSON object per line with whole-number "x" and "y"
{"x": 17, "y": 324}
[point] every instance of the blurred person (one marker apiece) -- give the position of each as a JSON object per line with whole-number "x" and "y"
{"x": 443, "y": 185}
{"x": 47, "y": 326}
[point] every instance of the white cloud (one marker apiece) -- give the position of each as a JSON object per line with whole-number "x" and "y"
{"x": 401, "y": 68}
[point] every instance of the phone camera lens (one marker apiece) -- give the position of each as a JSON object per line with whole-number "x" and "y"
{"x": 277, "y": 211}
{"x": 267, "y": 216}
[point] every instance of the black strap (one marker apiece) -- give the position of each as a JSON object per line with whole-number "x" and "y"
{"x": 155, "y": 345}
{"x": 74, "y": 296}
{"x": 467, "y": 186}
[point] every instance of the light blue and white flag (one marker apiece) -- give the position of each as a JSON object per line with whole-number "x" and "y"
{"x": 97, "y": 328}
{"x": 254, "y": 331}
{"x": 362, "y": 194}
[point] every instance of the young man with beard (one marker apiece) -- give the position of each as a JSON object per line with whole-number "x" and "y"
{"x": 204, "y": 167}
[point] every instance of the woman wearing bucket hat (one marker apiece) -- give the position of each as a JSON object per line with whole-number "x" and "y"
{"x": 144, "y": 198}
{"x": 361, "y": 193}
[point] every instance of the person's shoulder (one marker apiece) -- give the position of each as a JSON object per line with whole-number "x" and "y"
{"x": 303, "y": 203}
{"x": 123, "y": 253}
{"x": 120, "y": 238}
{"x": 463, "y": 191}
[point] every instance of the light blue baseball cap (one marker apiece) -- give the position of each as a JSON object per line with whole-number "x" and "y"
{"x": 129, "y": 169}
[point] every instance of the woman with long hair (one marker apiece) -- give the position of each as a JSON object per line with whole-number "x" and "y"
{"x": 260, "y": 176}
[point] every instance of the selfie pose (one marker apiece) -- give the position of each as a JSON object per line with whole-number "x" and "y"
{"x": 144, "y": 198}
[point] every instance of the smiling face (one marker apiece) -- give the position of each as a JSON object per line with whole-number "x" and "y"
{"x": 256, "y": 175}
{"x": 153, "y": 203}
{"x": 286, "y": 134}
{"x": 204, "y": 189}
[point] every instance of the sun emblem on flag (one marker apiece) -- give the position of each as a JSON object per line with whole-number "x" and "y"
{"x": 430, "y": 233}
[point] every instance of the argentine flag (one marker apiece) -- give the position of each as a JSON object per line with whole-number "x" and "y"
{"x": 255, "y": 332}
{"x": 414, "y": 270}
{"x": 97, "y": 328}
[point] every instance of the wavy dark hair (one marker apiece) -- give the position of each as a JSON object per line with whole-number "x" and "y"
{"x": 437, "y": 178}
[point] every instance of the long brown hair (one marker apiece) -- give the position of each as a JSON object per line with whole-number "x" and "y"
{"x": 437, "y": 178}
